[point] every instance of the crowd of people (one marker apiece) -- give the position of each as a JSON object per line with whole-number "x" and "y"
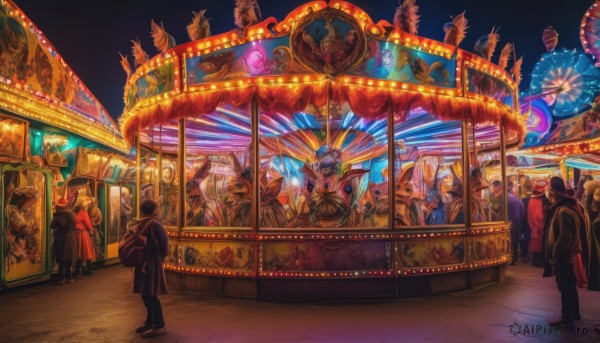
{"x": 558, "y": 228}
{"x": 73, "y": 232}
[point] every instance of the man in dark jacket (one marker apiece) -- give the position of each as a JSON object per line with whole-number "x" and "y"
{"x": 564, "y": 222}
{"x": 149, "y": 278}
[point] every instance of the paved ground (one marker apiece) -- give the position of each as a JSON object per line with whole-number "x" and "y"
{"x": 101, "y": 308}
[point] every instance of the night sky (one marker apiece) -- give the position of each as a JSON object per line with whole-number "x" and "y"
{"x": 88, "y": 34}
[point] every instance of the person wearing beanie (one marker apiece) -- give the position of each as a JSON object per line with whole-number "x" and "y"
{"x": 149, "y": 279}
{"x": 562, "y": 244}
{"x": 65, "y": 242}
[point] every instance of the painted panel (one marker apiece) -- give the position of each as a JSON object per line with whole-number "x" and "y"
{"x": 25, "y": 226}
{"x": 430, "y": 252}
{"x": 326, "y": 256}
{"x": 265, "y": 57}
{"x": 12, "y": 139}
{"x": 28, "y": 59}
{"x": 156, "y": 82}
{"x": 388, "y": 61}
{"x": 484, "y": 84}
{"x": 236, "y": 257}
{"x": 490, "y": 247}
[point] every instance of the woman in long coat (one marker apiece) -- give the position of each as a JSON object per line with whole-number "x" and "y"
{"x": 85, "y": 230}
{"x": 149, "y": 278}
{"x": 65, "y": 240}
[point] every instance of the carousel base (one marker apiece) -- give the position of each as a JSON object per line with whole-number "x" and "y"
{"x": 330, "y": 289}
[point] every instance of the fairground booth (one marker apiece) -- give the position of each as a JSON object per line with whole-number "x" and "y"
{"x": 326, "y": 155}
{"x": 56, "y": 140}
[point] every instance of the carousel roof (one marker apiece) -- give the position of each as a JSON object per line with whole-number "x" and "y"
{"x": 37, "y": 83}
{"x": 320, "y": 53}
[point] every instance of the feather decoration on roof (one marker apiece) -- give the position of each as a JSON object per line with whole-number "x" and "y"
{"x": 456, "y": 30}
{"x": 139, "y": 55}
{"x": 406, "y": 17}
{"x": 126, "y": 65}
{"x": 246, "y": 13}
{"x": 486, "y": 45}
{"x": 505, "y": 56}
{"x": 162, "y": 40}
{"x": 516, "y": 71}
{"x": 199, "y": 28}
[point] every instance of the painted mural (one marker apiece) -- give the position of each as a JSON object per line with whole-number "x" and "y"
{"x": 484, "y": 84}
{"x": 28, "y": 59}
{"x": 394, "y": 62}
{"x": 25, "y": 212}
{"x": 328, "y": 41}
{"x": 156, "y": 82}
{"x": 265, "y": 57}
{"x": 431, "y": 252}
{"x": 315, "y": 256}
{"x": 490, "y": 247}
{"x": 12, "y": 138}
{"x": 217, "y": 255}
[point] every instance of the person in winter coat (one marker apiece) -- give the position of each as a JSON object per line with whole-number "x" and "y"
{"x": 562, "y": 245}
{"x": 65, "y": 240}
{"x": 535, "y": 219}
{"x": 87, "y": 252}
{"x": 149, "y": 278}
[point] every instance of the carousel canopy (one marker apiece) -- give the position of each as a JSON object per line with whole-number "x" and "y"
{"x": 320, "y": 53}
{"x": 37, "y": 83}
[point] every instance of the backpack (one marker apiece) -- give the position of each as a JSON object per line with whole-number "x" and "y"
{"x": 132, "y": 247}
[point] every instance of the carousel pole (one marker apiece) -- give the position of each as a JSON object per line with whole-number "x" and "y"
{"x": 138, "y": 171}
{"x": 503, "y": 169}
{"x": 466, "y": 177}
{"x": 255, "y": 164}
{"x": 328, "y": 110}
{"x": 391, "y": 166}
{"x": 181, "y": 174}
{"x": 159, "y": 164}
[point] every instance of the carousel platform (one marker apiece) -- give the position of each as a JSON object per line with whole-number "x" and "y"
{"x": 103, "y": 309}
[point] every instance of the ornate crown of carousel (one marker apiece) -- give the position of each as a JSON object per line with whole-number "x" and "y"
{"x": 322, "y": 51}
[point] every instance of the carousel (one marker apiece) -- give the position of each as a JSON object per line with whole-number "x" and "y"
{"x": 56, "y": 140}
{"x": 325, "y": 155}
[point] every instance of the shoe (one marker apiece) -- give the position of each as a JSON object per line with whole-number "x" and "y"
{"x": 598, "y": 328}
{"x": 155, "y": 332}
{"x": 513, "y": 263}
{"x": 143, "y": 328}
{"x": 70, "y": 281}
{"x": 91, "y": 272}
{"x": 59, "y": 282}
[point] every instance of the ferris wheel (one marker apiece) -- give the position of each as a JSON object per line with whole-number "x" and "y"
{"x": 567, "y": 80}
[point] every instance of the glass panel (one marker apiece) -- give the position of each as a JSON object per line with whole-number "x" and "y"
{"x": 428, "y": 161}
{"x": 320, "y": 174}
{"x": 218, "y": 169}
{"x": 149, "y": 163}
{"x": 169, "y": 180}
{"x": 25, "y": 210}
{"x": 487, "y": 201}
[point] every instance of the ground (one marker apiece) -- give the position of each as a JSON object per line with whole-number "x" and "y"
{"x": 101, "y": 308}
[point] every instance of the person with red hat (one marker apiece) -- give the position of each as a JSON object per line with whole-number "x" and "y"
{"x": 65, "y": 242}
{"x": 535, "y": 219}
{"x": 562, "y": 245}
